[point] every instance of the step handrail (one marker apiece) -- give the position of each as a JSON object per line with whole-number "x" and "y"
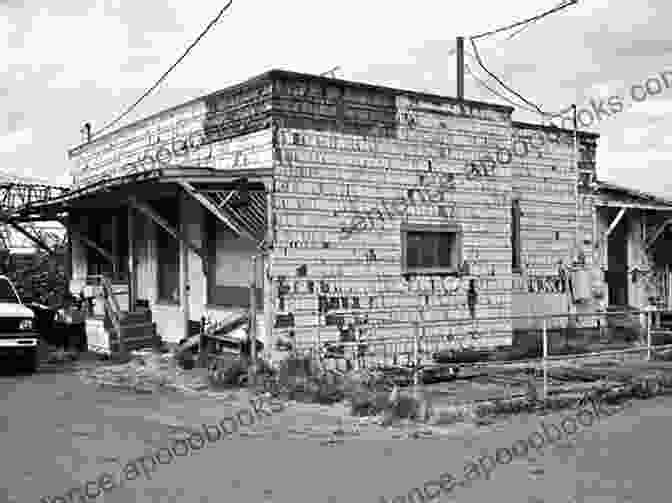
{"x": 111, "y": 305}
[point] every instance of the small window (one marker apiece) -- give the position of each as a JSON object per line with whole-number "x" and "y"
{"x": 428, "y": 250}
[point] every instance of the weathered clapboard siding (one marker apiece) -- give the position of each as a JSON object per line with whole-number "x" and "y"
{"x": 545, "y": 185}
{"x": 226, "y": 130}
{"x": 326, "y": 178}
{"x": 346, "y": 154}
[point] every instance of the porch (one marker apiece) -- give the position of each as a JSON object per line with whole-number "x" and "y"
{"x": 163, "y": 249}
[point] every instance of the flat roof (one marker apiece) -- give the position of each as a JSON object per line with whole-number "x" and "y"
{"x": 277, "y": 74}
{"x": 553, "y": 129}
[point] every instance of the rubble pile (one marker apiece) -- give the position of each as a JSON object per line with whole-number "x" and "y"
{"x": 146, "y": 372}
{"x": 306, "y": 379}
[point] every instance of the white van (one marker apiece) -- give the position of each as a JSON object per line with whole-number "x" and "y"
{"x": 19, "y": 339}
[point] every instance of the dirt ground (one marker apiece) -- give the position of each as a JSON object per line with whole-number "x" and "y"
{"x": 58, "y": 431}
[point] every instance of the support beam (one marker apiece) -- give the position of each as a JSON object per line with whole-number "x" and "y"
{"x": 658, "y": 233}
{"x": 115, "y": 245}
{"x": 614, "y": 223}
{"x": 150, "y": 213}
{"x": 68, "y": 251}
{"x": 184, "y": 269}
{"x": 34, "y": 239}
{"x": 132, "y": 283}
{"x": 212, "y": 208}
{"x": 92, "y": 244}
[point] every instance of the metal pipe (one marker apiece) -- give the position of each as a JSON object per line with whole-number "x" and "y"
{"x": 544, "y": 336}
{"x": 460, "y": 68}
{"x": 648, "y": 336}
{"x": 577, "y": 176}
{"x": 252, "y": 335}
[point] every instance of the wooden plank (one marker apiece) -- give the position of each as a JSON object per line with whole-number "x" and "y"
{"x": 149, "y": 212}
{"x": 212, "y": 208}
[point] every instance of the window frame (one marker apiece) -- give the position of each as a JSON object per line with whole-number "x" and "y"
{"x": 456, "y": 254}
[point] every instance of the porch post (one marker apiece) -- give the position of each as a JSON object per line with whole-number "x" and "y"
{"x": 115, "y": 248}
{"x": 68, "y": 251}
{"x": 184, "y": 261}
{"x": 132, "y": 287}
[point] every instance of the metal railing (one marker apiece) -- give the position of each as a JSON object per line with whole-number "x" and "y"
{"x": 111, "y": 305}
{"x": 600, "y": 333}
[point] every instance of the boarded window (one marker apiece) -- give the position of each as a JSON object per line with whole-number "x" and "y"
{"x": 515, "y": 236}
{"x": 229, "y": 271}
{"x": 428, "y": 250}
{"x": 99, "y": 230}
{"x": 109, "y": 230}
{"x": 168, "y": 253}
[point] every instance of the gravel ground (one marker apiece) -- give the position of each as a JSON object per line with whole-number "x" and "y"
{"x": 59, "y": 431}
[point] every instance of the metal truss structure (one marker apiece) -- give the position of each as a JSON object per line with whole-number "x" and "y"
{"x": 18, "y": 194}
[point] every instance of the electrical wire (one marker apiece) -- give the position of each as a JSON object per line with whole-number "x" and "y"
{"x": 524, "y": 27}
{"x": 515, "y": 104}
{"x": 527, "y": 25}
{"x": 162, "y": 78}
{"x": 500, "y": 82}
{"x": 496, "y": 93}
{"x": 526, "y": 21}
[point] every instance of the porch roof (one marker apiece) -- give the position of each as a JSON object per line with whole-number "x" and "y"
{"x": 151, "y": 184}
{"x": 617, "y": 196}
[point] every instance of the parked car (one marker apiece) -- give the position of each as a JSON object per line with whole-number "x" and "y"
{"x": 19, "y": 339}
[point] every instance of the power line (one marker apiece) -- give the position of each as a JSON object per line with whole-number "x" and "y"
{"x": 529, "y": 20}
{"x": 524, "y": 23}
{"x": 483, "y": 84}
{"x": 496, "y": 93}
{"x": 161, "y": 79}
{"x": 527, "y": 25}
{"x": 500, "y": 82}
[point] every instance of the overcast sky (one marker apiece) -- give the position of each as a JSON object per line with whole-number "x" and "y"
{"x": 63, "y": 63}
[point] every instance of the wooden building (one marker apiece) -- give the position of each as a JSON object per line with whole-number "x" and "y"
{"x": 364, "y": 204}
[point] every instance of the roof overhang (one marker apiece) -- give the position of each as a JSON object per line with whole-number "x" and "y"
{"x": 153, "y": 184}
{"x": 634, "y": 205}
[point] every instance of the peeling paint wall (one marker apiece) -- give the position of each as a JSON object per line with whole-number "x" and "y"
{"x": 544, "y": 181}
{"x": 226, "y": 130}
{"x": 209, "y": 129}
{"x": 341, "y": 200}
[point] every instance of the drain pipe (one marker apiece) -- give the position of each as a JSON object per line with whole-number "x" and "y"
{"x": 252, "y": 331}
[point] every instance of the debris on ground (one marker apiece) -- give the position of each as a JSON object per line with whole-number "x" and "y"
{"x": 146, "y": 372}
